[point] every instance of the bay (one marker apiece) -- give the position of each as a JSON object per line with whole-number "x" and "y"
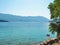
{"x": 23, "y": 33}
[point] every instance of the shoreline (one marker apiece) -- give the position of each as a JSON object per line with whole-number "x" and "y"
{"x": 53, "y": 41}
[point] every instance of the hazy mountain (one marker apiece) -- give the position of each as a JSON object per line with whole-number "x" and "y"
{"x": 10, "y": 18}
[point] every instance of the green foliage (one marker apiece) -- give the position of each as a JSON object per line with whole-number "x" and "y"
{"x": 55, "y": 13}
{"x": 54, "y": 9}
{"x": 59, "y": 37}
{"x": 51, "y": 7}
{"x": 53, "y": 28}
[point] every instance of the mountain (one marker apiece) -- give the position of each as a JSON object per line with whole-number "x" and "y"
{"x": 13, "y": 18}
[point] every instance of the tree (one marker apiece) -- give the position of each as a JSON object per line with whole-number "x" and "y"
{"x": 55, "y": 16}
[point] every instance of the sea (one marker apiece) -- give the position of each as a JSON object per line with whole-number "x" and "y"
{"x": 23, "y": 33}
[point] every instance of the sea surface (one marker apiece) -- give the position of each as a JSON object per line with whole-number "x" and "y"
{"x": 23, "y": 33}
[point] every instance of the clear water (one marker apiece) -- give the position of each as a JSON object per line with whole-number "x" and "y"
{"x": 23, "y": 33}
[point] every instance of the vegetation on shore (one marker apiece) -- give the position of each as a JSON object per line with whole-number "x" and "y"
{"x": 55, "y": 16}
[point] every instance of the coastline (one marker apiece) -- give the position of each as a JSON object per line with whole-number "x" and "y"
{"x": 53, "y": 41}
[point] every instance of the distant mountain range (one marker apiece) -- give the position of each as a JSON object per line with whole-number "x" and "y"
{"x": 13, "y": 18}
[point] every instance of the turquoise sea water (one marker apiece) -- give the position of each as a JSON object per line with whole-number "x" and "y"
{"x": 23, "y": 33}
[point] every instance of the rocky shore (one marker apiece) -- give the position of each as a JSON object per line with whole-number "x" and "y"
{"x": 53, "y": 41}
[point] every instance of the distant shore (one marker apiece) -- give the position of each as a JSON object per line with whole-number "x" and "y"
{"x": 3, "y": 21}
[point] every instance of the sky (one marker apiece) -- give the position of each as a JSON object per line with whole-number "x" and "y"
{"x": 25, "y": 7}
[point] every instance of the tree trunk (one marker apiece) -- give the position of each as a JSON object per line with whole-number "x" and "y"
{"x": 58, "y": 35}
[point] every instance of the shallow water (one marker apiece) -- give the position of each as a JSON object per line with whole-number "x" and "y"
{"x": 23, "y": 33}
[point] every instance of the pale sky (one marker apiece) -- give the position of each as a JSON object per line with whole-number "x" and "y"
{"x": 25, "y": 7}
